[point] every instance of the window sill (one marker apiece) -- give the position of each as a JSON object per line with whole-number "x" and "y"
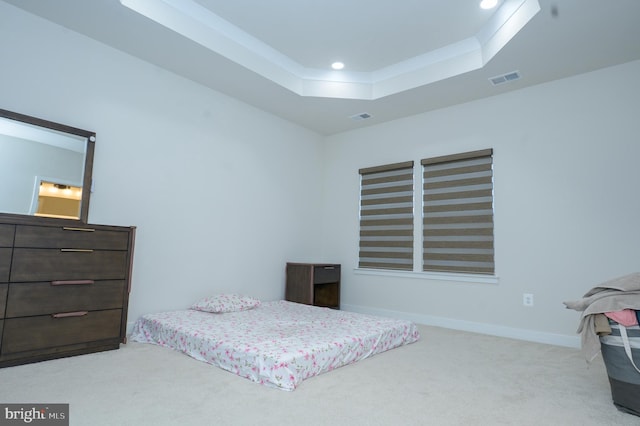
{"x": 436, "y": 276}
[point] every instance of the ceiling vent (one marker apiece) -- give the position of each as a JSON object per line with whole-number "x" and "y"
{"x": 505, "y": 78}
{"x": 361, "y": 116}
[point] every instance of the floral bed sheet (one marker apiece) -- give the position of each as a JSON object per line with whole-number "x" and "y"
{"x": 277, "y": 344}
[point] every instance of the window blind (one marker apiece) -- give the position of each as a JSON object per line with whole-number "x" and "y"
{"x": 386, "y": 217}
{"x": 458, "y": 213}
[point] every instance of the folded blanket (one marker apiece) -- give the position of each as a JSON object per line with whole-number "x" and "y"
{"x": 614, "y": 295}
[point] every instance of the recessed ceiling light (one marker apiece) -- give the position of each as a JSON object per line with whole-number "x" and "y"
{"x": 488, "y": 4}
{"x": 337, "y": 65}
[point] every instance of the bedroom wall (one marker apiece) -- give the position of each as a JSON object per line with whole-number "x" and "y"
{"x": 566, "y": 203}
{"x": 219, "y": 205}
{"x": 179, "y": 161}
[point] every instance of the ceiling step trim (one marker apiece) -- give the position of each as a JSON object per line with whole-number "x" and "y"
{"x": 204, "y": 27}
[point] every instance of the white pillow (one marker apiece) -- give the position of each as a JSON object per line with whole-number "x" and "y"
{"x": 222, "y": 303}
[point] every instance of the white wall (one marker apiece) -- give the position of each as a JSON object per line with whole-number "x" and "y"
{"x": 567, "y": 207}
{"x": 222, "y": 194}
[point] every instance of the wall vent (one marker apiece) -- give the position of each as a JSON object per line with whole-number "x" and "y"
{"x": 505, "y": 78}
{"x": 361, "y": 116}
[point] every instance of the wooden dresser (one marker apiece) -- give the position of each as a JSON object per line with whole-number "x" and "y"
{"x": 64, "y": 287}
{"x": 315, "y": 284}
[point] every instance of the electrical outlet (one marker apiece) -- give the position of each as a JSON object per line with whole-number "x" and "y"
{"x": 527, "y": 299}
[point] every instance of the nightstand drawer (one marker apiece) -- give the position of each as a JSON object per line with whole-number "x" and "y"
{"x": 41, "y": 298}
{"x": 62, "y": 264}
{"x": 6, "y": 235}
{"x": 47, "y": 331}
{"x": 326, "y": 274}
{"x": 81, "y": 237}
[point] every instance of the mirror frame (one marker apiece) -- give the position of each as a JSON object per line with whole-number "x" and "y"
{"x": 88, "y": 160}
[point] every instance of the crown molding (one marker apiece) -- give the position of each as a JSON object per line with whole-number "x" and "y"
{"x": 201, "y": 25}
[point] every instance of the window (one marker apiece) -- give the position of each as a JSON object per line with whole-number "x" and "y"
{"x": 386, "y": 217}
{"x": 458, "y": 213}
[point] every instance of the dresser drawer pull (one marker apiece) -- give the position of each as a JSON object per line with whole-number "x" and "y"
{"x": 329, "y": 268}
{"x": 70, "y": 228}
{"x": 76, "y": 250}
{"x": 72, "y": 282}
{"x": 70, "y": 314}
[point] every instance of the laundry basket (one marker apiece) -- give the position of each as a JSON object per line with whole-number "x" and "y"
{"x": 621, "y": 355}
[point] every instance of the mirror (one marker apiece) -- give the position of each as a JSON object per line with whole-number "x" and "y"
{"x": 46, "y": 167}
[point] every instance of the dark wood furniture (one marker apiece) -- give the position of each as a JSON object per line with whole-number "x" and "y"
{"x": 64, "y": 287}
{"x": 315, "y": 284}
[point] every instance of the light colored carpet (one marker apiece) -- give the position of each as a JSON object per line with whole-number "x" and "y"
{"x": 447, "y": 378}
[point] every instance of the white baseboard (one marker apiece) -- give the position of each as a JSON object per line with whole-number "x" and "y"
{"x": 474, "y": 327}
{"x": 454, "y": 324}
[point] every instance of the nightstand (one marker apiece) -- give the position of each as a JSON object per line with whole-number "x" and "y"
{"x": 315, "y": 284}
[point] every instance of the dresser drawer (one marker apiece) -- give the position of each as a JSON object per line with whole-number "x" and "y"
{"x": 81, "y": 237}
{"x": 52, "y": 264}
{"x": 42, "y": 332}
{"x": 326, "y": 274}
{"x": 41, "y": 298}
{"x": 3, "y": 299}
{"x": 5, "y": 264}
{"x": 6, "y": 235}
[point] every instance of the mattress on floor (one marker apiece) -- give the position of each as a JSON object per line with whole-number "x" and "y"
{"x": 277, "y": 344}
